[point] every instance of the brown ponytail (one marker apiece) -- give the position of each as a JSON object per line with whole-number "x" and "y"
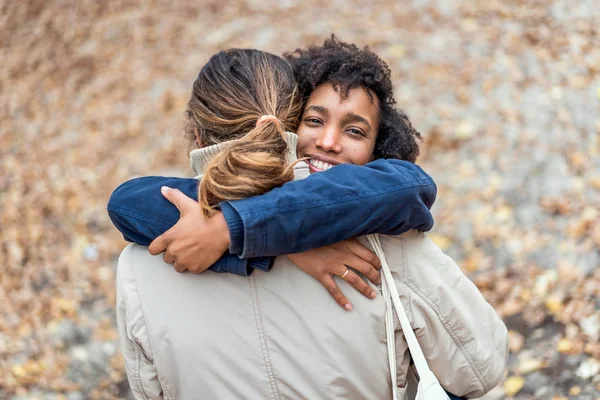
{"x": 250, "y": 166}
{"x": 233, "y": 90}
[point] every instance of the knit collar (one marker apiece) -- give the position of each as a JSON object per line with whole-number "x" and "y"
{"x": 200, "y": 158}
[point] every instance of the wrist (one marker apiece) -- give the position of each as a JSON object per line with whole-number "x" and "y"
{"x": 235, "y": 227}
{"x": 221, "y": 231}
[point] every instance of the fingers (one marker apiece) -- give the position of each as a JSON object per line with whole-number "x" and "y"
{"x": 336, "y": 293}
{"x": 182, "y": 264}
{"x": 169, "y": 258}
{"x": 364, "y": 261}
{"x": 363, "y": 252}
{"x": 353, "y": 279}
{"x": 161, "y": 245}
{"x": 158, "y": 245}
{"x": 178, "y": 267}
{"x": 364, "y": 268}
{"x": 179, "y": 200}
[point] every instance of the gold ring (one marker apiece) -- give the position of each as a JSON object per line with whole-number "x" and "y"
{"x": 345, "y": 273}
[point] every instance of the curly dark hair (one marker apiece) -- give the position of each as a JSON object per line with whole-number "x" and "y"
{"x": 346, "y": 67}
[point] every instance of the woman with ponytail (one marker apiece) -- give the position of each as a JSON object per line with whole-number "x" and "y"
{"x": 242, "y": 103}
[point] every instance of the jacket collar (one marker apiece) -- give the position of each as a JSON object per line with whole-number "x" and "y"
{"x": 200, "y": 158}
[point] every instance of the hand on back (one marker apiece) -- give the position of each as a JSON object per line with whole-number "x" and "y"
{"x": 325, "y": 262}
{"x": 195, "y": 242}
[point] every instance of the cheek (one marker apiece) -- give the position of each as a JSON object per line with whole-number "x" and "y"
{"x": 304, "y": 139}
{"x": 362, "y": 152}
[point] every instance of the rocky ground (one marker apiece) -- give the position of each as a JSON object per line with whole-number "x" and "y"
{"x": 505, "y": 92}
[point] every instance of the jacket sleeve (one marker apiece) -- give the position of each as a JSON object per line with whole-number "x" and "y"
{"x": 464, "y": 340}
{"x": 135, "y": 343}
{"x": 384, "y": 196}
{"x": 141, "y": 213}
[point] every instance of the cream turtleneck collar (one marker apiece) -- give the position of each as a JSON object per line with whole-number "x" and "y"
{"x": 200, "y": 158}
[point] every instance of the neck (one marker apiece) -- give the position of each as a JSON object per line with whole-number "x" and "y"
{"x": 200, "y": 158}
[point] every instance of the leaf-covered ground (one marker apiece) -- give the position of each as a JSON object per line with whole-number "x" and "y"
{"x": 505, "y": 92}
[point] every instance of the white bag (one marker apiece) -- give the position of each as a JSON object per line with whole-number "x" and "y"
{"x": 429, "y": 387}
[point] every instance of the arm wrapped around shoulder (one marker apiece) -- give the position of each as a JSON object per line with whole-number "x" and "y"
{"x": 463, "y": 338}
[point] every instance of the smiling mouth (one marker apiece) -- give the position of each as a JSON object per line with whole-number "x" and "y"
{"x": 323, "y": 166}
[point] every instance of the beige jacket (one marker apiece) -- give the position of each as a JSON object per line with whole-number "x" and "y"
{"x": 279, "y": 335}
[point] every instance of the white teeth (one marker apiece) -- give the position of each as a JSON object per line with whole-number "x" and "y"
{"x": 323, "y": 166}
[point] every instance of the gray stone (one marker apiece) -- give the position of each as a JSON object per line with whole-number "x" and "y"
{"x": 75, "y": 396}
{"x": 68, "y": 333}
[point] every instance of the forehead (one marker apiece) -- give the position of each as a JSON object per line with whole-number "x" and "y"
{"x": 358, "y": 101}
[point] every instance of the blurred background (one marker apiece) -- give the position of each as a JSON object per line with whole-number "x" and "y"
{"x": 505, "y": 92}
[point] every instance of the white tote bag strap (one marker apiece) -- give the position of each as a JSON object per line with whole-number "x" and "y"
{"x": 429, "y": 387}
{"x": 388, "y": 281}
{"x": 391, "y": 337}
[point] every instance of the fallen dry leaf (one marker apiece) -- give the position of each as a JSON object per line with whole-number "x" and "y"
{"x": 513, "y": 385}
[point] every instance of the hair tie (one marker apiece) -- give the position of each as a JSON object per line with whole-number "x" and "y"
{"x": 266, "y": 118}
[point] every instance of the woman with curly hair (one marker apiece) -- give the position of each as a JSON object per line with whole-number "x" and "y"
{"x": 344, "y": 67}
{"x": 274, "y": 334}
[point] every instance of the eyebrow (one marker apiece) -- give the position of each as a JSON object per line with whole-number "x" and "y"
{"x": 349, "y": 116}
{"x": 320, "y": 109}
{"x": 357, "y": 118}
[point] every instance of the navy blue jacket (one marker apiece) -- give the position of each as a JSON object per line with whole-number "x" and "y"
{"x": 384, "y": 196}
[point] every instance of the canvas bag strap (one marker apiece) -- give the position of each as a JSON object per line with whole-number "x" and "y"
{"x": 391, "y": 292}
{"x": 390, "y": 337}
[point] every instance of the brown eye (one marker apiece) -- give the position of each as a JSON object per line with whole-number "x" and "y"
{"x": 312, "y": 120}
{"x": 355, "y": 131}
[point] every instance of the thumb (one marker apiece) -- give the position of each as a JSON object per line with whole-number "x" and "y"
{"x": 178, "y": 199}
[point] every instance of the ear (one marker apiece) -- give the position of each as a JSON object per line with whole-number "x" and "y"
{"x": 198, "y": 141}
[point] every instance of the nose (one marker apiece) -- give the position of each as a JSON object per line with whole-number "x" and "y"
{"x": 329, "y": 140}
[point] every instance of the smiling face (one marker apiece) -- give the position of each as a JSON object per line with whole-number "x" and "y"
{"x": 335, "y": 131}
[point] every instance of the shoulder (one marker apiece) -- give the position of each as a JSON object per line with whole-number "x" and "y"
{"x": 127, "y": 260}
{"x": 129, "y": 308}
{"x": 127, "y": 282}
{"x": 125, "y": 264}
{"x": 134, "y": 260}
{"x": 458, "y": 318}
{"x": 417, "y": 247}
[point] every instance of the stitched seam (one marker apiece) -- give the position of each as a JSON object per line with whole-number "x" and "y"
{"x": 138, "y": 351}
{"x": 138, "y": 379}
{"x": 160, "y": 380}
{"x": 455, "y": 337}
{"x": 261, "y": 337}
{"x": 453, "y": 334}
{"x": 348, "y": 198}
{"x": 163, "y": 386}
